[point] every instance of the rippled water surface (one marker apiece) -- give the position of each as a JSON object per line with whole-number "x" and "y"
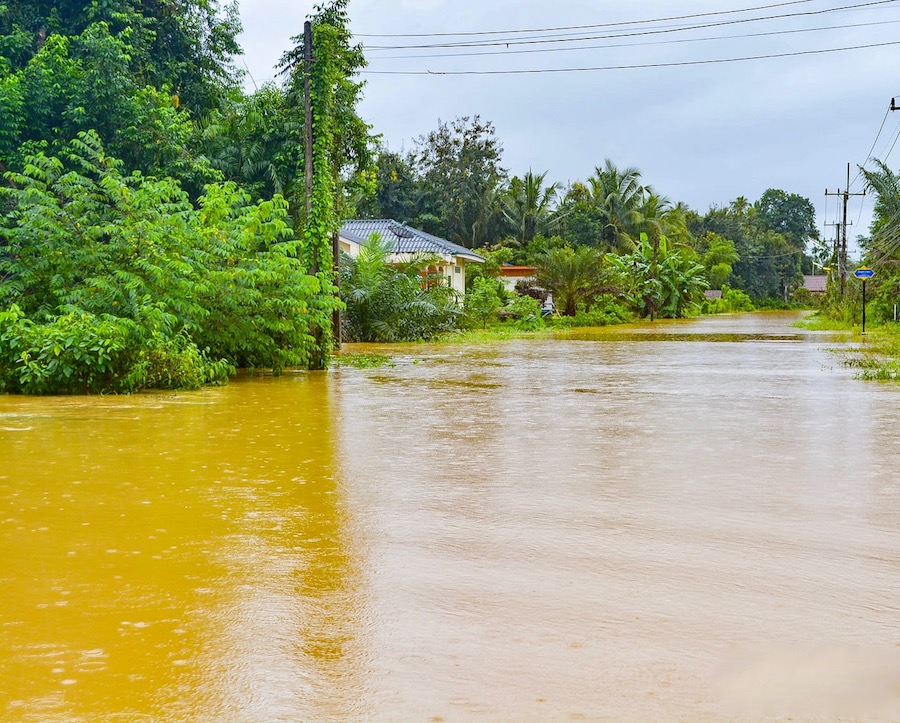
{"x": 681, "y": 521}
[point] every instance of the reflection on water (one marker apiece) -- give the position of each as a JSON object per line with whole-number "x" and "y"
{"x": 612, "y": 524}
{"x": 177, "y": 555}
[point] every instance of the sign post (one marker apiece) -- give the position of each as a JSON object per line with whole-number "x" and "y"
{"x": 864, "y": 273}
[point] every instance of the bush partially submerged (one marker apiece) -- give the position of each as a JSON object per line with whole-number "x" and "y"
{"x": 387, "y": 303}
{"x": 119, "y": 283}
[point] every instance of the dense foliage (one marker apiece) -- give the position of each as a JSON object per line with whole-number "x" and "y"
{"x": 145, "y": 236}
{"x": 114, "y": 274}
{"x": 156, "y": 229}
{"x": 388, "y": 303}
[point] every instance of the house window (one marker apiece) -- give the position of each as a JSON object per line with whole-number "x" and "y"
{"x": 458, "y": 269}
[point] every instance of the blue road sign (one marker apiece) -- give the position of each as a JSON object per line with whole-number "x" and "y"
{"x": 864, "y": 273}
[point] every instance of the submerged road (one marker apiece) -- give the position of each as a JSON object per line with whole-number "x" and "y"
{"x": 694, "y": 520}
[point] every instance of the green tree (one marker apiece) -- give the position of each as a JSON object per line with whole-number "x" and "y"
{"x": 718, "y": 256}
{"x": 882, "y": 248}
{"x": 190, "y": 49}
{"x": 769, "y": 266}
{"x": 82, "y": 82}
{"x": 664, "y": 282}
{"x": 482, "y": 301}
{"x": 103, "y": 274}
{"x": 459, "y": 164}
{"x": 619, "y": 196}
{"x": 251, "y": 139}
{"x": 574, "y": 276}
{"x": 528, "y": 206}
{"x": 398, "y": 193}
{"x": 788, "y": 214}
{"x": 393, "y": 304}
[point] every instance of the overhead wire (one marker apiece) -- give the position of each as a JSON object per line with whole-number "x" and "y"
{"x": 887, "y": 112}
{"x": 583, "y": 27}
{"x": 676, "y": 64}
{"x": 610, "y": 46}
{"x": 566, "y": 39}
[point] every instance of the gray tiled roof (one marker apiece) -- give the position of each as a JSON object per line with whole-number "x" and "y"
{"x": 406, "y": 240}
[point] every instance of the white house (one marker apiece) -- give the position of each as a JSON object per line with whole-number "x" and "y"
{"x": 450, "y": 259}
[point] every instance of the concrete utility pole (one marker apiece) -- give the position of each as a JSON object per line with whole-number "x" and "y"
{"x": 841, "y": 253}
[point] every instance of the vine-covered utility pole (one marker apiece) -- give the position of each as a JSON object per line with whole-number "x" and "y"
{"x": 337, "y": 162}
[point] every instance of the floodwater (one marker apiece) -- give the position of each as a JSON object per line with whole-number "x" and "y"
{"x": 693, "y": 520}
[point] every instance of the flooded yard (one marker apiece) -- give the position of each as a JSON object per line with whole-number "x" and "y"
{"x": 693, "y": 520}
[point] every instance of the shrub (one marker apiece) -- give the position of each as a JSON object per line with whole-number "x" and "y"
{"x": 81, "y": 353}
{"x": 732, "y": 301}
{"x": 389, "y": 304}
{"x": 116, "y": 283}
{"x": 482, "y": 302}
{"x": 605, "y": 311}
{"x": 525, "y": 311}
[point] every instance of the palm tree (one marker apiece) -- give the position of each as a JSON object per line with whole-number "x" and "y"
{"x": 886, "y": 185}
{"x": 664, "y": 281}
{"x": 394, "y": 304}
{"x": 573, "y": 277}
{"x": 528, "y": 205}
{"x": 618, "y": 194}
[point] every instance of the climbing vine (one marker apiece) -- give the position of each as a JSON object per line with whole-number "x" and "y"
{"x": 340, "y": 154}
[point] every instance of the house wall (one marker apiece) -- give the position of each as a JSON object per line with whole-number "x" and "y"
{"x": 458, "y": 276}
{"x": 451, "y": 268}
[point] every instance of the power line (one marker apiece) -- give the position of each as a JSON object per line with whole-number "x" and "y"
{"x": 636, "y": 45}
{"x": 581, "y": 27}
{"x": 702, "y": 26}
{"x": 896, "y": 138}
{"x": 887, "y": 112}
{"x": 882, "y": 155}
{"x": 683, "y": 63}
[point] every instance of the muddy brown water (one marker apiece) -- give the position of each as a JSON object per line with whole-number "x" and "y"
{"x": 681, "y": 521}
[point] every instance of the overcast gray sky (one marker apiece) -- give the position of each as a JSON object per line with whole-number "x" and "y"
{"x": 703, "y": 134}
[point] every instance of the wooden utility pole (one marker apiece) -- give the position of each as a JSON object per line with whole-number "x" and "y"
{"x": 841, "y": 247}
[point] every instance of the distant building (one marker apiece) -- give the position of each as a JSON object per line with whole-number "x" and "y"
{"x": 815, "y": 284}
{"x": 713, "y": 293}
{"x": 450, "y": 259}
{"x": 511, "y": 275}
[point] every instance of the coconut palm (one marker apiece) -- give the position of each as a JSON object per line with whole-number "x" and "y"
{"x": 619, "y": 195}
{"x": 886, "y": 185}
{"x": 528, "y": 205}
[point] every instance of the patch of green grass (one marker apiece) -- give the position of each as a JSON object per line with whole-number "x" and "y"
{"x": 498, "y": 332}
{"x": 818, "y": 322}
{"x": 363, "y": 361}
{"x": 879, "y": 357}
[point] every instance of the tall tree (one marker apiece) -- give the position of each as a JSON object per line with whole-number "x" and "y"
{"x": 528, "y": 206}
{"x": 789, "y": 214}
{"x": 189, "y": 48}
{"x": 461, "y": 174}
{"x": 398, "y": 193}
{"x": 619, "y": 195}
